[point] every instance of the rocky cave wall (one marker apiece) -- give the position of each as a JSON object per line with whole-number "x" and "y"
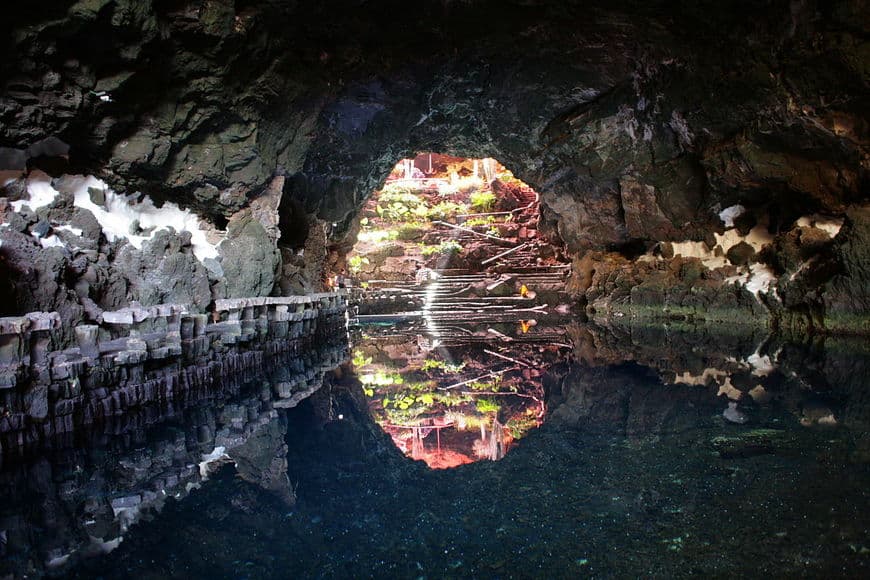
{"x": 638, "y": 122}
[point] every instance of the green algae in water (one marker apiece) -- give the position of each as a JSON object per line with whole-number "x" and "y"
{"x": 755, "y": 442}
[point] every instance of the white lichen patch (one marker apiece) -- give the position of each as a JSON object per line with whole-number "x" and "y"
{"x": 76, "y": 231}
{"x": 758, "y": 237}
{"x": 209, "y": 459}
{"x": 761, "y": 365}
{"x": 729, "y": 390}
{"x": 680, "y": 127}
{"x": 40, "y": 190}
{"x": 119, "y": 214}
{"x": 708, "y": 375}
{"x": 50, "y": 242}
{"x": 710, "y": 258}
{"x": 729, "y": 214}
{"x": 759, "y": 279}
{"x": 714, "y": 258}
{"x": 734, "y": 415}
{"x": 759, "y": 394}
{"x": 830, "y": 226}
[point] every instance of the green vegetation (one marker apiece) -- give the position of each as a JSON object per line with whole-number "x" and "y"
{"x": 411, "y": 231}
{"x": 360, "y": 359}
{"x": 382, "y": 379}
{"x": 487, "y": 406}
{"x": 377, "y": 236}
{"x": 444, "y": 249}
{"x": 484, "y": 220}
{"x": 355, "y": 263}
{"x": 445, "y": 210}
{"x": 520, "y": 425}
{"x": 482, "y": 201}
{"x": 432, "y": 364}
{"x": 399, "y": 204}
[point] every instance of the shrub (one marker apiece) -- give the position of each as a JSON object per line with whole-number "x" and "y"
{"x": 480, "y": 221}
{"x": 487, "y": 406}
{"x": 482, "y": 201}
{"x": 445, "y": 210}
{"x": 377, "y": 236}
{"x": 356, "y": 263}
{"x": 444, "y": 248}
{"x": 411, "y": 231}
{"x": 400, "y": 205}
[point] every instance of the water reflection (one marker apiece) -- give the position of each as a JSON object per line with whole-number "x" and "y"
{"x": 634, "y": 473}
{"x": 636, "y": 470}
{"x": 79, "y": 498}
{"x": 453, "y": 405}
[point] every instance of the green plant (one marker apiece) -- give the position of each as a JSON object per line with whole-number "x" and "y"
{"x": 411, "y": 231}
{"x": 356, "y": 263}
{"x": 520, "y": 425}
{"x": 432, "y": 364}
{"x": 445, "y": 210}
{"x": 487, "y": 406}
{"x": 360, "y": 359}
{"x": 377, "y": 236}
{"x": 444, "y": 249}
{"x": 381, "y": 379}
{"x": 483, "y": 220}
{"x": 398, "y": 205}
{"x": 482, "y": 201}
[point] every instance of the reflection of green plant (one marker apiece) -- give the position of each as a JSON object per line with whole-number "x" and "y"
{"x": 520, "y": 425}
{"x": 420, "y": 387}
{"x": 356, "y": 263}
{"x": 467, "y": 421}
{"x": 444, "y": 249}
{"x": 487, "y": 406}
{"x": 493, "y": 231}
{"x": 432, "y": 364}
{"x": 482, "y": 201}
{"x": 360, "y": 359}
{"x": 445, "y": 210}
{"x": 381, "y": 379}
{"x": 494, "y": 385}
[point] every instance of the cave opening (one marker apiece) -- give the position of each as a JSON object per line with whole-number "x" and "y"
{"x": 455, "y": 288}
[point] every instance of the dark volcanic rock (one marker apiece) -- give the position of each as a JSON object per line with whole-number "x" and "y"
{"x": 249, "y": 259}
{"x": 165, "y": 271}
{"x": 740, "y": 254}
{"x": 847, "y": 295}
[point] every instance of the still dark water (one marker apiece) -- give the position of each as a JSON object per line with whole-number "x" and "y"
{"x": 570, "y": 452}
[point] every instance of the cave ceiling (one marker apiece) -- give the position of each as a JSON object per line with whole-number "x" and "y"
{"x": 671, "y": 109}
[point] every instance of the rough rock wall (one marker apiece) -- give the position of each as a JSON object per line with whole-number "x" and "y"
{"x": 637, "y": 121}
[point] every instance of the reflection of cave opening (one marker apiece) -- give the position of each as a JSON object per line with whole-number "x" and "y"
{"x": 456, "y": 289}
